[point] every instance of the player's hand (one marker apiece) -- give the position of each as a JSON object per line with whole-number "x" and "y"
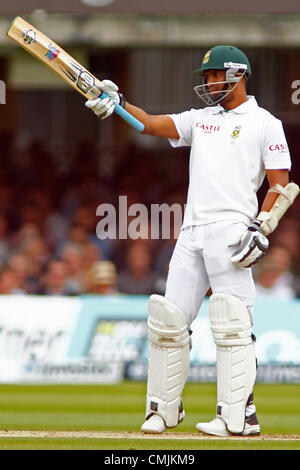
{"x": 104, "y": 107}
{"x": 253, "y": 245}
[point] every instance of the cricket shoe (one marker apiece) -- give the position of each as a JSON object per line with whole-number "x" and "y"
{"x": 217, "y": 427}
{"x": 155, "y": 424}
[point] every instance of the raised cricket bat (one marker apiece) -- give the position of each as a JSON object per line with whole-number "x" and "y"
{"x": 58, "y": 60}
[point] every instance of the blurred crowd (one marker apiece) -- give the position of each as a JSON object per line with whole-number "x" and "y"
{"x": 48, "y": 219}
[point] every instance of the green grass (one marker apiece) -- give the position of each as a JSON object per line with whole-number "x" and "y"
{"x": 121, "y": 408}
{"x": 132, "y": 445}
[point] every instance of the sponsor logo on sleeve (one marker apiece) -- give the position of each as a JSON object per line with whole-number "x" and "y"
{"x": 280, "y": 148}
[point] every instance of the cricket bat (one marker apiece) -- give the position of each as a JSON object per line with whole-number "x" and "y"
{"x": 58, "y": 60}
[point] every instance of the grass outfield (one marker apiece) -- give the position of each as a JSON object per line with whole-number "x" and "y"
{"x": 120, "y": 408}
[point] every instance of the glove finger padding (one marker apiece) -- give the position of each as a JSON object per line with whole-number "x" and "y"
{"x": 109, "y": 87}
{"x": 105, "y": 108}
{"x": 112, "y": 90}
{"x": 252, "y": 248}
{"x": 102, "y": 108}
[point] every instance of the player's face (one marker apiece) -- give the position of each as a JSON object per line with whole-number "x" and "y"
{"x": 216, "y": 88}
{"x": 215, "y": 82}
{"x": 213, "y": 77}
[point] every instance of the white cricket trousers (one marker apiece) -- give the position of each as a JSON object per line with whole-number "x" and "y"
{"x": 201, "y": 260}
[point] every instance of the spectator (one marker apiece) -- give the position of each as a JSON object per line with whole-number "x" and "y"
{"x": 19, "y": 263}
{"x": 31, "y": 214}
{"x": 138, "y": 277}
{"x": 4, "y": 246}
{"x": 72, "y": 255}
{"x": 76, "y": 234}
{"x": 287, "y": 235}
{"x": 30, "y": 243}
{"x": 102, "y": 278}
{"x": 48, "y": 202}
{"x": 91, "y": 254}
{"x": 36, "y": 249}
{"x": 85, "y": 216}
{"x": 273, "y": 276}
{"x": 166, "y": 249}
{"x": 9, "y": 283}
{"x": 25, "y": 233}
{"x": 55, "y": 280}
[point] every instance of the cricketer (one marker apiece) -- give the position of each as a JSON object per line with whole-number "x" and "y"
{"x": 234, "y": 144}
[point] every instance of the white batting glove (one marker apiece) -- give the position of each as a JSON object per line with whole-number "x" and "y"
{"x": 253, "y": 245}
{"x": 105, "y": 107}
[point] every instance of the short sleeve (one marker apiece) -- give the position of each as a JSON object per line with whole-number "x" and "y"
{"x": 275, "y": 149}
{"x": 184, "y": 125}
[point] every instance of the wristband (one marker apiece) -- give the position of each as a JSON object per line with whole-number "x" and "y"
{"x": 122, "y": 100}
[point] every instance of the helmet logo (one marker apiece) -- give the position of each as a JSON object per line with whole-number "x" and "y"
{"x": 206, "y": 57}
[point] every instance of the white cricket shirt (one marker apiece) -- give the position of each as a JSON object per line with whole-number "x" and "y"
{"x": 230, "y": 153}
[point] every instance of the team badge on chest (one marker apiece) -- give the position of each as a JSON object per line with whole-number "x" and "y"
{"x": 236, "y": 132}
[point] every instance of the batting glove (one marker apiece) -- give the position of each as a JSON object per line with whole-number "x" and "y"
{"x": 253, "y": 245}
{"x": 104, "y": 107}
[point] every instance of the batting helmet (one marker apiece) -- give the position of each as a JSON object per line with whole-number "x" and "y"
{"x": 223, "y": 58}
{"x": 228, "y": 58}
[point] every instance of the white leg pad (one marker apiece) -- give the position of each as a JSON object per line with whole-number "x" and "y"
{"x": 236, "y": 362}
{"x": 168, "y": 359}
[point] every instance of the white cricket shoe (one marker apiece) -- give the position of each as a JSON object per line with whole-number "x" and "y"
{"x": 154, "y": 425}
{"x": 217, "y": 427}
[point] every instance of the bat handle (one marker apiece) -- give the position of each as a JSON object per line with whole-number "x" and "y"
{"x": 126, "y": 115}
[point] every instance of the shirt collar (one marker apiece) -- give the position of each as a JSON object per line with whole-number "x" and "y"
{"x": 245, "y": 107}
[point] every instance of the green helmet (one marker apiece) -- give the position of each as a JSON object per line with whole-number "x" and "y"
{"x": 225, "y": 58}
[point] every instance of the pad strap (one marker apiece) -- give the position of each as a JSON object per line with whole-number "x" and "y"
{"x": 282, "y": 190}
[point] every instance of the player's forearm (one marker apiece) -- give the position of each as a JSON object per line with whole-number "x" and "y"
{"x": 141, "y": 115}
{"x": 279, "y": 198}
{"x": 274, "y": 177}
{"x": 159, "y": 125}
{"x": 269, "y": 201}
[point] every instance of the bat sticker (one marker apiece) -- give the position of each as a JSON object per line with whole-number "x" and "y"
{"x": 83, "y": 79}
{"x": 52, "y": 52}
{"x": 29, "y": 36}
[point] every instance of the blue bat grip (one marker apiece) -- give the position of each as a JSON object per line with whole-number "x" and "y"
{"x": 126, "y": 115}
